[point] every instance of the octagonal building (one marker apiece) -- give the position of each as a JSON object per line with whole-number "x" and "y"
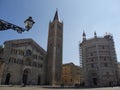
{"x": 98, "y": 59}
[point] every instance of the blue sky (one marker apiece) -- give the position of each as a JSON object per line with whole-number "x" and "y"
{"x": 78, "y": 15}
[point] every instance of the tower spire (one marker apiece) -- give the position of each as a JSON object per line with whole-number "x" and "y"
{"x": 95, "y": 35}
{"x": 54, "y": 51}
{"x": 84, "y": 36}
{"x": 56, "y": 16}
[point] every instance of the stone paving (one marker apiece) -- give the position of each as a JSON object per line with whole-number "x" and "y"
{"x": 41, "y": 88}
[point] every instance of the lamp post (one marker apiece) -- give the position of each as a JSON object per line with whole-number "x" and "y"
{"x": 4, "y": 25}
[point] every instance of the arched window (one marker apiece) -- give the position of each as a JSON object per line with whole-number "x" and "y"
{"x": 28, "y": 53}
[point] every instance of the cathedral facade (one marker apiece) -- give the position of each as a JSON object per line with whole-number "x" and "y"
{"x": 22, "y": 62}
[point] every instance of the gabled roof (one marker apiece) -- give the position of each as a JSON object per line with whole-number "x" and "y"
{"x": 25, "y": 41}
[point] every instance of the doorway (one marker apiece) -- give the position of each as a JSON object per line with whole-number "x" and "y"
{"x": 7, "y": 80}
{"x": 25, "y": 77}
{"x": 95, "y": 81}
{"x": 39, "y": 80}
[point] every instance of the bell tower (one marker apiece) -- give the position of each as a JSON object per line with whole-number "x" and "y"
{"x": 54, "y": 51}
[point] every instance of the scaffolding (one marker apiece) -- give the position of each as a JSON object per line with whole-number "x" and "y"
{"x": 80, "y": 54}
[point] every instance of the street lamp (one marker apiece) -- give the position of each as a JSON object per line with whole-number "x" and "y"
{"x": 4, "y": 25}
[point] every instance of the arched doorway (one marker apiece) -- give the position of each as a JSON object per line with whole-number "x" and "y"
{"x": 39, "y": 80}
{"x": 95, "y": 81}
{"x": 7, "y": 80}
{"x": 25, "y": 76}
{"x": 93, "y": 78}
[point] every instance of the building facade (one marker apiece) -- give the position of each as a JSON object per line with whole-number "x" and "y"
{"x": 119, "y": 73}
{"x": 99, "y": 62}
{"x": 71, "y": 74}
{"x": 1, "y": 62}
{"x": 22, "y": 62}
{"x": 54, "y": 51}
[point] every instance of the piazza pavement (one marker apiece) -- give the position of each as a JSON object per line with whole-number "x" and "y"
{"x": 53, "y": 88}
